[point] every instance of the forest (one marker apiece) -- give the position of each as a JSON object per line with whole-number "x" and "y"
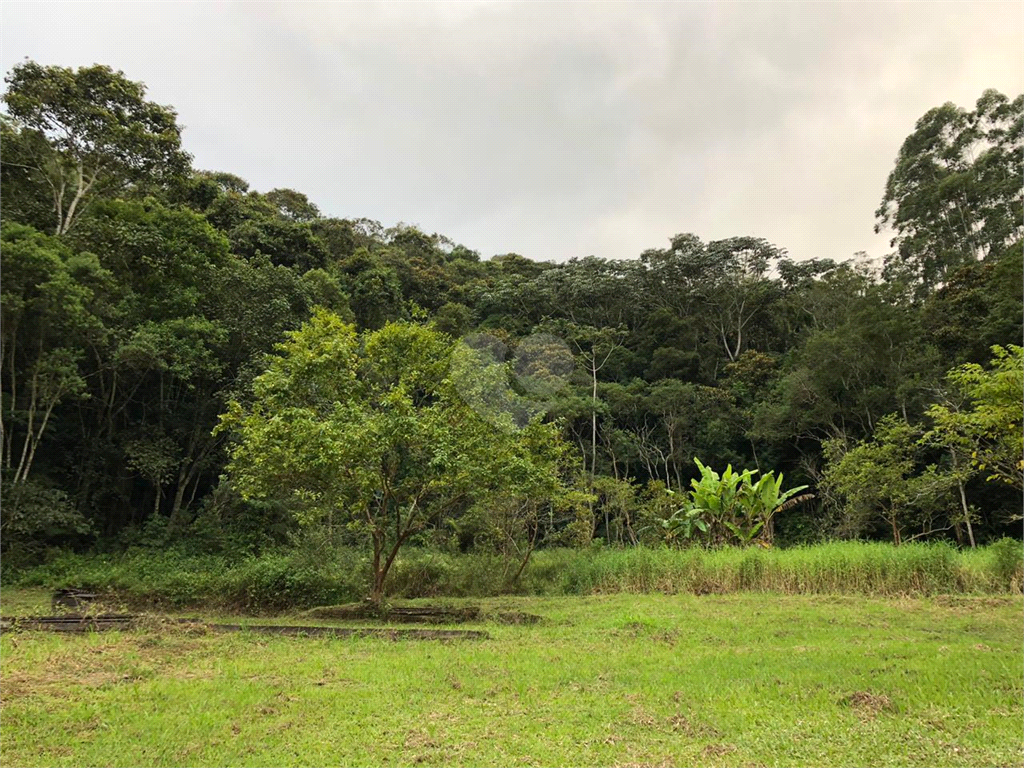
{"x": 190, "y": 363}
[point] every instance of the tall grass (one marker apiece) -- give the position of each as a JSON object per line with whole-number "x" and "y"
{"x": 839, "y": 567}
{"x": 293, "y": 579}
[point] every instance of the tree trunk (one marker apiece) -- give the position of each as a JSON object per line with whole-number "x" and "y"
{"x": 377, "y": 590}
{"x": 895, "y": 530}
{"x": 963, "y": 502}
{"x": 179, "y": 496}
{"x": 380, "y": 571}
{"x": 37, "y": 439}
{"x": 529, "y": 551}
{"x": 30, "y": 427}
{"x": 593, "y": 419}
{"x": 80, "y": 192}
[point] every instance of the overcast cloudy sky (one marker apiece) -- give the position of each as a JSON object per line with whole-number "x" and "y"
{"x": 553, "y": 130}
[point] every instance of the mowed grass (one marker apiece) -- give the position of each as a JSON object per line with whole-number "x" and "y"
{"x": 746, "y": 679}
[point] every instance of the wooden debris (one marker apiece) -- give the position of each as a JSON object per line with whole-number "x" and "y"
{"x": 75, "y": 623}
{"x": 72, "y": 598}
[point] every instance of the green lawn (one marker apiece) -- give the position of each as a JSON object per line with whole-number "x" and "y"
{"x": 606, "y": 680}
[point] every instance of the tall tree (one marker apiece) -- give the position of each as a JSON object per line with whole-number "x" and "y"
{"x": 956, "y": 192}
{"x": 90, "y": 132}
{"x": 49, "y": 322}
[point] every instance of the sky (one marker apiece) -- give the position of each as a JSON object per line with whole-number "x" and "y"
{"x": 553, "y": 130}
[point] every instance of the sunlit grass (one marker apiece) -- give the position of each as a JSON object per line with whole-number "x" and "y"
{"x": 605, "y": 680}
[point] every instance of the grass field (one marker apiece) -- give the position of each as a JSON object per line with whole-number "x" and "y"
{"x": 605, "y": 680}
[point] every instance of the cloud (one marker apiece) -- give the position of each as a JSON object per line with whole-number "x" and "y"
{"x": 553, "y": 130}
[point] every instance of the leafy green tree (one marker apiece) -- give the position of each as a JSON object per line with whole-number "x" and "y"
{"x": 49, "y": 320}
{"x": 284, "y": 241}
{"x": 27, "y": 197}
{"x": 844, "y": 378}
{"x": 375, "y": 293}
{"x": 371, "y": 433}
{"x": 955, "y": 195}
{"x": 293, "y": 205}
{"x": 453, "y": 318}
{"x": 992, "y": 421}
{"x": 958, "y": 444}
{"x": 723, "y": 285}
{"x": 881, "y": 479}
{"x": 980, "y": 305}
{"x": 90, "y": 132}
{"x": 739, "y": 292}
{"x": 36, "y": 515}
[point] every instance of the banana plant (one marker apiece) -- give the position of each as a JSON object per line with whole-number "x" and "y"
{"x": 685, "y": 523}
{"x": 732, "y": 507}
{"x": 766, "y": 497}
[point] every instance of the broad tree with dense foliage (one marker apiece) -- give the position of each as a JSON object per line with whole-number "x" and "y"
{"x": 370, "y": 432}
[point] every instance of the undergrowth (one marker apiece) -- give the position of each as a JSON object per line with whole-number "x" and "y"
{"x": 297, "y": 579}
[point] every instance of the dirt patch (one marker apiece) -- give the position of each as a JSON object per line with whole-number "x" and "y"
{"x": 965, "y": 601}
{"x": 717, "y": 750}
{"x": 71, "y": 622}
{"x": 866, "y": 703}
{"x": 515, "y": 617}
{"x": 691, "y": 727}
{"x": 418, "y": 614}
{"x": 702, "y": 590}
{"x": 390, "y": 634}
{"x": 640, "y": 716}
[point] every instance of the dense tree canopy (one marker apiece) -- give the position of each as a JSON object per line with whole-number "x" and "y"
{"x": 143, "y": 298}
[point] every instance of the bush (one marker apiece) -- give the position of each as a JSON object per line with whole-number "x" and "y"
{"x": 36, "y": 515}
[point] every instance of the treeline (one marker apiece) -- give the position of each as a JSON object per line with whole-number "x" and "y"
{"x": 140, "y": 296}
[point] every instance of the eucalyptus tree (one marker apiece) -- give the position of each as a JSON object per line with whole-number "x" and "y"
{"x": 88, "y": 133}
{"x": 956, "y": 192}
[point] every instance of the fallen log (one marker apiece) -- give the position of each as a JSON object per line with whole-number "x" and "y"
{"x": 419, "y": 614}
{"x": 69, "y": 623}
{"x": 109, "y": 622}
